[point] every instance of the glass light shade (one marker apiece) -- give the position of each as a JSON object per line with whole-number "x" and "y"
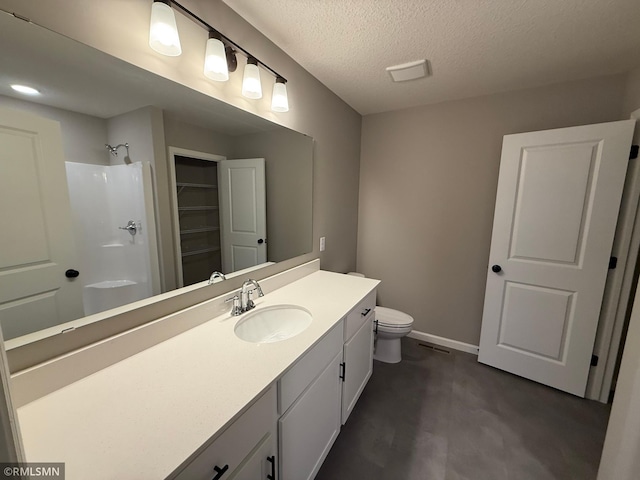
{"x": 251, "y": 87}
{"x": 279, "y": 99}
{"x": 163, "y": 32}
{"x": 215, "y": 61}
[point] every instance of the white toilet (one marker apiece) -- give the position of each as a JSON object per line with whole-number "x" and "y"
{"x": 391, "y": 325}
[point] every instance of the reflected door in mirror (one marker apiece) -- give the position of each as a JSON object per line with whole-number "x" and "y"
{"x": 243, "y": 212}
{"x": 37, "y": 236}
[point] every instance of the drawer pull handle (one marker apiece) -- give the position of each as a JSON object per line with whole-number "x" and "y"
{"x": 272, "y": 459}
{"x": 219, "y": 471}
{"x": 375, "y": 330}
{"x": 343, "y": 367}
{"x": 365, "y": 312}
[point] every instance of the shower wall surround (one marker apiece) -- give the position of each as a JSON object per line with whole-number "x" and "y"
{"x": 116, "y": 267}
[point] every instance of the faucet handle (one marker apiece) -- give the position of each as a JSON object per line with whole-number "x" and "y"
{"x": 235, "y": 309}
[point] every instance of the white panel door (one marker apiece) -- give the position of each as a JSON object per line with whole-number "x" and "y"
{"x": 36, "y": 244}
{"x": 243, "y": 213}
{"x": 557, "y": 204}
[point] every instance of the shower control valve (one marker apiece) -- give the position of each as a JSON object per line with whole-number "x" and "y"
{"x": 131, "y": 227}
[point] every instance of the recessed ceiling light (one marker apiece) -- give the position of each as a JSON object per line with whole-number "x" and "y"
{"x": 26, "y": 90}
{"x": 409, "y": 71}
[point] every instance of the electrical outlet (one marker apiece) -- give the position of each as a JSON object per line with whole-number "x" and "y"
{"x": 322, "y": 244}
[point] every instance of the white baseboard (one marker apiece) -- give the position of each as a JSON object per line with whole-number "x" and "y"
{"x": 444, "y": 342}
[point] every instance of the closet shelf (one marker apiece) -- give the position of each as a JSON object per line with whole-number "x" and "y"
{"x": 187, "y": 209}
{"x": 199, "y": 230}
{"x": 196, "y": 185}
{"x": 198, "y": 252}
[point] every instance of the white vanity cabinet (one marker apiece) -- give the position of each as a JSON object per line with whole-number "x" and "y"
{"x": 246, "y": 450}
{"x": 316, "y": 396}
{"x": 310, "y": 397}
{"x": 358, "y": 353}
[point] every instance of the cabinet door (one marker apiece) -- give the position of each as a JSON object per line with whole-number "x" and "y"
{"x": 236, "y": 444}
{"x": 261, "y": 464}
{"x": 309, "y": 428}
{"x": 358, "y": 359}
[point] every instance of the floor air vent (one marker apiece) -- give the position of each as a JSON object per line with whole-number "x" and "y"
{"x": 434, "y": 348}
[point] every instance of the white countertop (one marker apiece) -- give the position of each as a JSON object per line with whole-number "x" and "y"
{"x": 144, "y": 416}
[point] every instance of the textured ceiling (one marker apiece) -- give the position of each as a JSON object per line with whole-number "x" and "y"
{"x": 476, "y": 47}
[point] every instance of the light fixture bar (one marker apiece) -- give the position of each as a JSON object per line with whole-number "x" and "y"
{"x": 226, "y": 39}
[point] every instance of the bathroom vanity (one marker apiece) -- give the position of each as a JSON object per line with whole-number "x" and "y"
{"x": 205, "y": 404}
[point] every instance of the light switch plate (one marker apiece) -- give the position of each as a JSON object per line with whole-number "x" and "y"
{"x": 322, "y": 244}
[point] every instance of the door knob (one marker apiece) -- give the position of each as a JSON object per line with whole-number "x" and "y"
{"x": 496, "y": 268}
{"x": 260, "y": 241}
{"x": 71, "y": 273}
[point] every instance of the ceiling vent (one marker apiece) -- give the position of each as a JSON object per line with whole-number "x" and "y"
{"x": 409, "y": 71}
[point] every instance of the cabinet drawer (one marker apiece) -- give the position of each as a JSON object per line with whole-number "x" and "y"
{"x": 236, "y": 442}
{"x": 356, "y": 317}
{"x": 298, "y": 378}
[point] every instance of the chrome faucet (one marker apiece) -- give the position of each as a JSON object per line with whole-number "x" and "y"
{"x": 246, "y": 303}
{"x": 215, "y": 275}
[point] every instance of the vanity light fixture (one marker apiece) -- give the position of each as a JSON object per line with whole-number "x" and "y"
{"x": 215, "y": 59}
{"x": 279, "y": 99}
{"x": 220, "y": 53}
{"x": 163, "y": 32}
{"x": 25, "y": 89}
{"x": 251, "y": 86}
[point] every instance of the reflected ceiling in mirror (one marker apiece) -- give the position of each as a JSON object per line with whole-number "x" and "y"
{"x": 121, "y": 184}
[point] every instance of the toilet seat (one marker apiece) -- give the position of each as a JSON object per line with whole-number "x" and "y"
{"x": 389, "y": 318}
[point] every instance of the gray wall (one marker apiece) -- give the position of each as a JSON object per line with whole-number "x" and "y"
{"x": 315, "y": 110}
{"x": 428, "y": 179}
{"x": 194, "y": 137}
{"x": 632, "y": 92}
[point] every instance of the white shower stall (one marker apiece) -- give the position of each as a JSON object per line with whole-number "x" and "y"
{"x": 114, "y": 228}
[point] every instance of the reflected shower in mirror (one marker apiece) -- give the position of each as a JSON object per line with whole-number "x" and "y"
{"x": 120, "y": 185}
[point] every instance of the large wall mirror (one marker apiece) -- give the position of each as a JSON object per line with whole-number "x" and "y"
{"x": 117, "y": 185}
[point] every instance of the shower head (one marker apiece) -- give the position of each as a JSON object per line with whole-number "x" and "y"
{"x": 114, "y": 150}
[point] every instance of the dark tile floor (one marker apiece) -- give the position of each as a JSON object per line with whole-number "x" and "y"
{"x": 438, "y": 416}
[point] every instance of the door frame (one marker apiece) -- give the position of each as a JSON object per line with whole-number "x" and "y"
{"x": 617, "y": 293}
{"x": 175, "y": 218}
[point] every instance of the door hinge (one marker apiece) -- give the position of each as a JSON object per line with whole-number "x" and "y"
{"x": 613, "y": 263}
{"x": 634, "y": 152}
{"x": 594, "y": 360}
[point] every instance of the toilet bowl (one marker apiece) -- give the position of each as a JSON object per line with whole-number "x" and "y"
{"x": 391, "y": 326}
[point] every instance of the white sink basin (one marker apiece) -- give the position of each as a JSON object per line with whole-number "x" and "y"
{"x": 273, "y": 324}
